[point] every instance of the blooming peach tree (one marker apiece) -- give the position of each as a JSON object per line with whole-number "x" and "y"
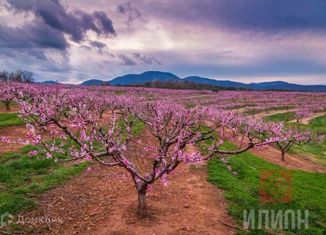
{"x": 8, "y": 93}
{"x": 58, "y": 115}
{"x": 287, "y": 137}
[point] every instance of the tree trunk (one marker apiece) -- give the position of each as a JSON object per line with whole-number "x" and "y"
{"x": 101, "y": 114}
{"x": 7, "y": 104}
{"x": 283, "y": 156}
{"x": 142, "y": 207}
{"x": 141, "y": 188}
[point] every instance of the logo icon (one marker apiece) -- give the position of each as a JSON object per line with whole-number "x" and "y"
{"x": 6, "y": 219}
{"x": 275, "y": 186}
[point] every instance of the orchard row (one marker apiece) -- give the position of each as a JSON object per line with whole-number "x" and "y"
{"x": 97, "y": 124}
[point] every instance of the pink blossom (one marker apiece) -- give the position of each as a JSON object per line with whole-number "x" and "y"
{"x": 32, "y": 153}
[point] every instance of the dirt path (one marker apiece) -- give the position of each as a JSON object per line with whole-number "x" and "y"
{"x": 14, "y": 108}
{"x": 261, "y": 115}
{"x": 273, "y": 155}
{"x": 12, "y": 133}
{"x": 240, "y": 110}
{"x": 307, "y": 120}
{"x": 102, "y": 201}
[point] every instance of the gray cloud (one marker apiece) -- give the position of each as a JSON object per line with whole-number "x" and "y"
{"x": 126, "y": 60}
{"x": 97, "y": 44}
{"x": 131, "y": 12}
{"x": 255, "y": 15}
{"x": 46, "y": 32}
{"x": 36, "y": 35}
{"x": 216, "y": 38}
{"x": 149, "y": 60}
{"x": 51, "y": 22}
{"x": 137, "y": 59}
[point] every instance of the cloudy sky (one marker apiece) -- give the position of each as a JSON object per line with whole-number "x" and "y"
{"x": 242, "y": 40}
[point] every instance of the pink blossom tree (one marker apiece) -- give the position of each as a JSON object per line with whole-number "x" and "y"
{"x": 8, "y": 93}
{"x": 75, "y": 116}
{"x": 302, "y": 113}
{"x": 286, "y": 138}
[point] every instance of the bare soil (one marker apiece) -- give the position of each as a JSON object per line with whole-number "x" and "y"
{"x": 103, "y": 201}
{"x": 307, "y": 120}
{"x": 273, "y": 155}
{"x": 13, "y": 109}
{"x": 261, "y": 115}
{"x": 13, "y": 133}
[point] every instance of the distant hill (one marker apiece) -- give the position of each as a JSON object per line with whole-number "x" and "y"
{"x": 220, "y": 83}
{"x": 277, "y": 85}
{"x": 50, "y": 82}
{"x": 94, "y": 82}
{"x": 152, "y": 76}
{"x": 181, "y": 84}
{"x": 280, "y": 85}
{"x": 149, "y": 76}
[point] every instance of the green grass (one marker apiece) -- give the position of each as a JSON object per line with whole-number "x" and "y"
{"x": 23, "y": 177}
{"x": 252, "y": 110}
{"x": 318, "y": 124}
{"x": 286, "y": 107}
{"x": 242, "y": 191}
{"x": 280, "y": 117}
{"x": 10, "y": 119}
{"x": 316, "y": 152}
{"x": 119, "y": 92}
{"x": 138, "y": 127}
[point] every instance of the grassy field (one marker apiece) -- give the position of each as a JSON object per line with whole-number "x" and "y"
{"x": 242, "y": 191}
{"x": 280, "y": 117}
{"x": 278, "y": 108}
{"x": 23, "y": 177}
{"x": 10, "y": 119}
{"x": 314, "y": 151}
{"x": 318, "y": 124}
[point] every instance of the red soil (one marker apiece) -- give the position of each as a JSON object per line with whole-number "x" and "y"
{"x": 291, "y": 161}
{"x": 13, "y": 133}
{"x": 308, "y": 119}
{"x": 13, "y": 109}
{"x": 103, "y": 201}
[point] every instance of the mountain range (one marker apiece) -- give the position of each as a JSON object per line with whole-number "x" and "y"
{"x": 151, "y": 76}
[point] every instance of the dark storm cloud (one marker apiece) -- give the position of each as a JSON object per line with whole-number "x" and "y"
{"x": 126, "y": 60}
{"x": 52, "y": 21}
{"x": 131, "y": 12}
{"x": 277, "y": 67}
{"x": 263, "y": 15}
{"x": 137, "y": 59}
{"x": 35, "y": 53}
{"x": 36, "y": 35}
{"x": 214, "y": 38}
{"x": 103, "y": 23}
{"x": 97, "y": 44}
{"x": 149, "y": 60}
